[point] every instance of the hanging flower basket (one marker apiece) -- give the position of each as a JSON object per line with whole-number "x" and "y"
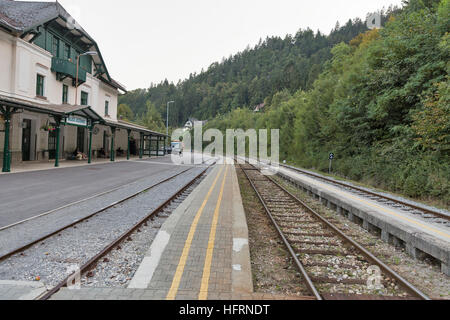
{"x": 48, "y": 128}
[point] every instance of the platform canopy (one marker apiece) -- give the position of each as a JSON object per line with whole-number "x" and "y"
{"x": 67, "y": 114}
{"x": 62, "y": 111}
{"x": 121, "y": 124}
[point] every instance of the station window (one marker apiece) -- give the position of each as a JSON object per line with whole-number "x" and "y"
{"x": 106, "y": 108}
{"x": 65, "y": 94}
{"x": 55, "y": 47}
{"x": 84, "y": 98}
{"x": 66, "y": 51}
{"x": 40, "y": 85}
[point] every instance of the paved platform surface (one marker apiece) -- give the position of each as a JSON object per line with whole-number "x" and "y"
{"x": 149, "y": 294}
{"x": 30, "y": 166}
{"x": 201, "y": 252}
{"x": 27, "y": 194}
{"x": 20, "y": 290}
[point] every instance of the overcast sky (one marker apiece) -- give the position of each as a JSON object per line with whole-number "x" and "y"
{"x": 144, "y": 41}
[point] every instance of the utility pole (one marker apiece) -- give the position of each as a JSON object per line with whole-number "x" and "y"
{"x": 331, "y": 162}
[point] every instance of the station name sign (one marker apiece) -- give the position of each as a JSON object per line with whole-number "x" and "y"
{"x": 77, "y": 121}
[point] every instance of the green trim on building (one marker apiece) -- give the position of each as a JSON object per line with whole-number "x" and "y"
{"x": 84, "y": 98}
{"x": 65, "y": 94}
{"x": 40, "y": 80}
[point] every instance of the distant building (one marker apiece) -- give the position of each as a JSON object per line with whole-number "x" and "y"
{"x": 259, "y": 107}
{"x": 192, "y": 122}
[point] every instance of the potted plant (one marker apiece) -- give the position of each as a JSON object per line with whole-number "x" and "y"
{"x": 48, "y": 127}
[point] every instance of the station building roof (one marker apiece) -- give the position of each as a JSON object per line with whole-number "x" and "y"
{"x": 23, "y": 17}
{"x": 65, "y": 110}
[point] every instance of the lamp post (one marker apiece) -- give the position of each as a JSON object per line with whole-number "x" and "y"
{"x": 167, "y": 124}
{"x": 89, "y": 53}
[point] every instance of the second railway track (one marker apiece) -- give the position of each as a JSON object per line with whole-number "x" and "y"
{"x": 332, "y": 264}
{"x": 420, "y": 211}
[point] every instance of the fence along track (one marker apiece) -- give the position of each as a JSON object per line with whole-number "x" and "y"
{"x": 327, "y": 258}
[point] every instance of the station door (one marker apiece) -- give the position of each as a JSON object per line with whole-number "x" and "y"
{"x": 26, "y": 140}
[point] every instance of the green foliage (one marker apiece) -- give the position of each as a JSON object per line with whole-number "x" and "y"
{"x": 246, "y": 79}
{"x": 124, "y": 112}
{"x": 378, "y": 99}
{"x": 152, "y": 119}
{"x": 381, "y": 104}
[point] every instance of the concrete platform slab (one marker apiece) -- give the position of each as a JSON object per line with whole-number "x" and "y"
{"x": 20, "y": 290}
{"x": 31, "y": 166}
{"x": 154, "y": 294}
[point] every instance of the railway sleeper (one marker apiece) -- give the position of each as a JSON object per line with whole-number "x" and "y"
{"x": 315, "y": 235}
{"x": 300, "y": 221}
{"x": 281, "y": 216}
{"x": 323, "y": 252}
{"x": 338, "y": 281}
{"x": 330, "y": 265}
{"x": 317, "y": 243}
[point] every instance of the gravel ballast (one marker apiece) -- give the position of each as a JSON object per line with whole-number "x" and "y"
{"x": 53, "y": 259}
{"x": 425, "y": 275}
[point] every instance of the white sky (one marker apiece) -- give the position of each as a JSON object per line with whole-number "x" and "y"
{"x": 144, "y": 41}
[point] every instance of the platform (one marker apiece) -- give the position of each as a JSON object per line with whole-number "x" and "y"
{"x": 31, "y": 166}
{"x": 20, "y": 290}
{"x": 200, "y": 253}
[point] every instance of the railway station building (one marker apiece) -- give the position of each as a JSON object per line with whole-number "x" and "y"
{"x": 57, "y": 97}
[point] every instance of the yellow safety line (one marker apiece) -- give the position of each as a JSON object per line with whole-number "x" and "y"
{"x": 187, "y": 246}
{"x": 212, "y": 239}
{"x": 381, "y": 208}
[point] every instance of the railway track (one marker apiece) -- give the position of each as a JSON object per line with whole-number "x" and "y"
{"x": 31, "y": 243}
{"x": 332, "y": 264}
{"x": 168, "y": 205}
{"x": 425, "y": 213}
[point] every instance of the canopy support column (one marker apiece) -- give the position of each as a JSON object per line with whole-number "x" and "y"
{"x": 157, "y": 146}
{"x": 7, "y": 113}
{"x": 113, "y": 134}
{"x": 58, "y": 133}
{"x": 91, "y": 128}
{"x": 166, "y": 146}
{"x": 141, "y": 145}
{"x": 150, "y": 146}
{"x": 129, "y": 144}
